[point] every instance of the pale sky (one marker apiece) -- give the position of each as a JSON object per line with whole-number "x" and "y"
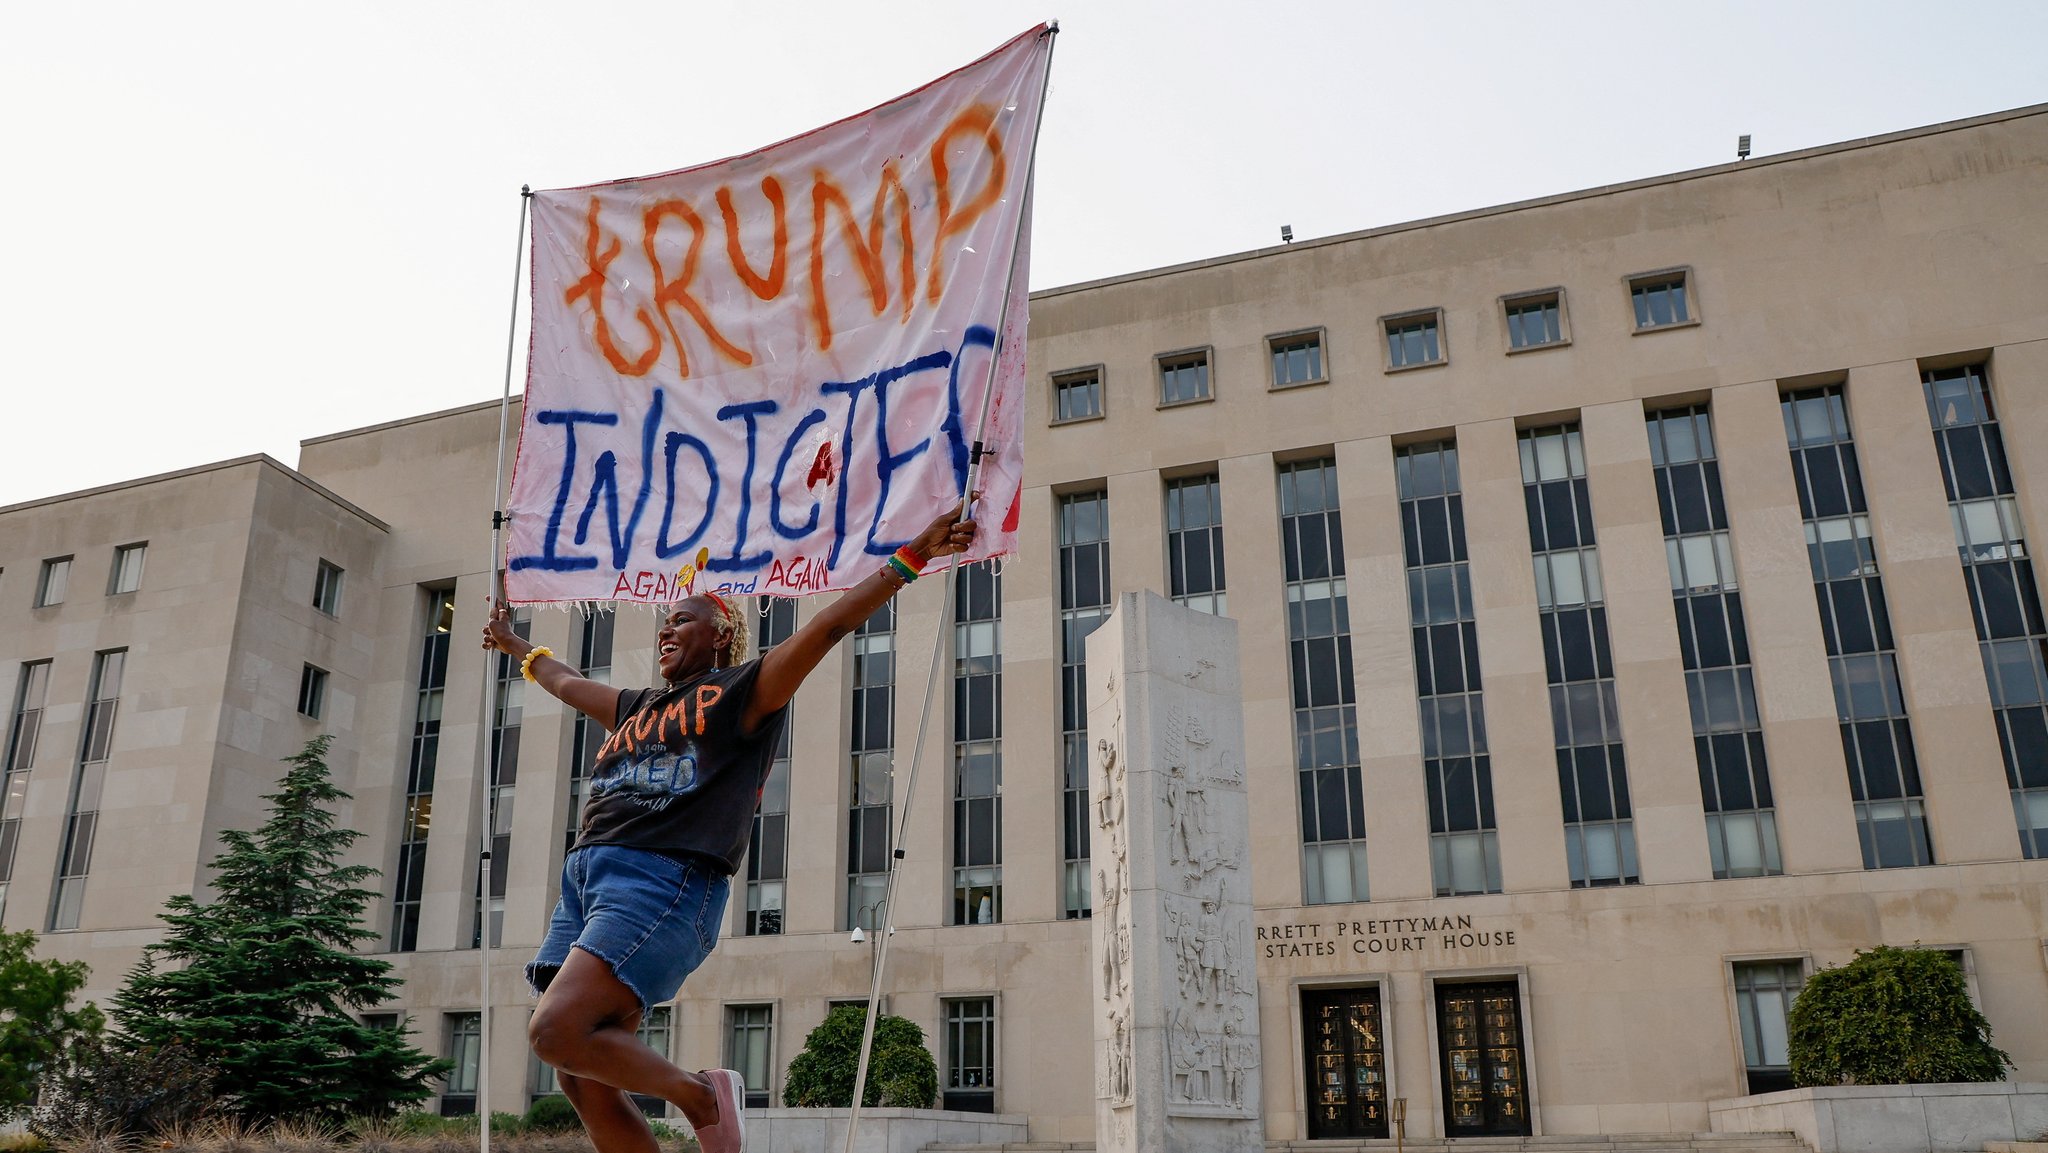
{"x": 233, "y": 226}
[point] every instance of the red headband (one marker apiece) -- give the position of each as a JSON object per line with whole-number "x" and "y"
{"x": 723, "y": 608}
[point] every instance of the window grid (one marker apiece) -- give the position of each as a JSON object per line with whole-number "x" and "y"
{"x": 1413, "y": 340}
{"x": 327, "y": 588}
{"x": 768, "y": 843}
{"x": 1877, "y": 738}
{"x": 594, "y": 657}
{"x": 1713, "y": 642}
{"x": 1183, "y": 377}
{"x": 53, "y": 581}
{"x": 126, "y": 575}
{"x": 409, "y": 878}
{"x": 1331, "y": 793}
{"x": 1077, "y": 395}
{"x": 1084, "y": 604}
{"x": 75, "y": 861}
{"x": 1457, "y": 769}
{"x": 2004, "y": 600}
{"x": 971, "y": 1054}
{"x": 312, "y": 691}
{"x": 1297, "y": 359}
{"x": 1592, "y": 771}
{"x": 977, "y": 745}
{"x": 750, "y": 1048}
{"x": 27, "y": 725}
{"x": 1194, "y": 543}
{"x": 872, "y": 765}
{"x": 465, "y": 1047}
{"x": 1764, "y": 991}
{"x": 1535, "y": 321}
{"x": 507, "y": 709}
{"x": 1660, "y": 301}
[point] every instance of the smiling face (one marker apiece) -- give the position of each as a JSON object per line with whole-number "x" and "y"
{"x": 690, "y": 640}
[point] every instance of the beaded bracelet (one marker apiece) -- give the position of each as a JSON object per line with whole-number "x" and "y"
{"x": 533, "y": 654}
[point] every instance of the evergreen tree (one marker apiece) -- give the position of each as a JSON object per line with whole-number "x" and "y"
{"x": 262, "y": 984}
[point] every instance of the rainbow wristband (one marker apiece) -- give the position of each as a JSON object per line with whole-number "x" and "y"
{"x": 903, "y": 571}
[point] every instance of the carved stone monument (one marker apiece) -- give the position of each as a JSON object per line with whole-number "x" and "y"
{"x": 1176, "y": 987}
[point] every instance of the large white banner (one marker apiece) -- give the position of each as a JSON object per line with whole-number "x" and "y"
{"x": 764, "y": 375}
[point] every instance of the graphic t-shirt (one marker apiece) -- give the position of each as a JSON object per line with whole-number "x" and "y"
{"x": 677, "y": 775}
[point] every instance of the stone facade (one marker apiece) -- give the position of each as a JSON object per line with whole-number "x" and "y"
{"x": 1862, "y": 265}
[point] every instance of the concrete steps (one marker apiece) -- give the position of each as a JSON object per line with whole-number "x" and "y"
{"x": 1598, "y": 1143}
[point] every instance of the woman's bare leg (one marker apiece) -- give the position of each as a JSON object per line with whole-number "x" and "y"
{"x": 614, "y": 1123}
{"x": 584, "y": 1027}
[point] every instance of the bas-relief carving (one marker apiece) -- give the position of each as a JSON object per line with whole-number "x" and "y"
{"x": 1112, "y": 916}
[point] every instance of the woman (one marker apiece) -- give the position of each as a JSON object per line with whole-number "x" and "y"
{"x": 672, "y": 800}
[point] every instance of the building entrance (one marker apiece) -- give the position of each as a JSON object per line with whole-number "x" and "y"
{"x": 1479, "y": 1028}
{"x": 1346, "y": 1062}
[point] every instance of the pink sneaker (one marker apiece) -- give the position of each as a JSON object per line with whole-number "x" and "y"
{"x": 729, "y": 1135}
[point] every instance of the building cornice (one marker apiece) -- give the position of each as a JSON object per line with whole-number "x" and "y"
{"x": 259, "y": 459}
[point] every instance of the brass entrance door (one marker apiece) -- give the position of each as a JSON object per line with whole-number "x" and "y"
{"x": 1479, "y": 1028}
{"x": 1347, "y": 1063}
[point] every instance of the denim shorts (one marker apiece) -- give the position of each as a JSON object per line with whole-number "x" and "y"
{"x": 652, "y": 919}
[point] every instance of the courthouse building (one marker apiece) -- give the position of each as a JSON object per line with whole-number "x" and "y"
{"x": 1635, "y": 604}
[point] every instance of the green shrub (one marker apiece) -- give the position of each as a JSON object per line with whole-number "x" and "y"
{"x": 552, "y": 1114}
{"x": 901, "y": 1072}
{"x": 96, "y": 1088}
{"x": 1890, "y": 1017}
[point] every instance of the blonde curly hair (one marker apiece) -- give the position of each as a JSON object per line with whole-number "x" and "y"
{"x": 735, "y": 621}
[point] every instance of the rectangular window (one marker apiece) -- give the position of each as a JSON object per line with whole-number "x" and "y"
{"x": 465, "y": 1048}
{"x": 872, "y": 794}
{"x": 768, "y": 844}
{"x": 1534, "y": 321}
{"x": 594, "y": 656}
{"x": 51, "y": 584}
{"x": 1184, "y": 377}
{"x": 750, "y": 1049}
{"x": 508, "y": 708}
{"x": 1660, "y": 300}
{"x": 1297, "y": 358}
{"x": 1084, "y": 603}
{"x": 977, "y": 745}
{"x": 1713, "y": 643}
{"x": 1077, "y": 395}
{"x": 312, "y": 691}
{"x": 1194, "y": 543}
{"x": 75, "y": 861}
{"x": 970, "y": 1055}
{"x": 1326, "y": 756}
{"x": 409, "y": 878}
{"x": 126, "y": 575}
{"x": 2012, "y": 636}
{"x": 1877, "y": 738}
{"x": 327, "y": 588}
{"x": 1414, "y": 340}
{"x": 1764, "y": 991}
{"x": 1456, "y": 765}
{"x": 1592, "y": 773}
{"x": 30, "y": 697}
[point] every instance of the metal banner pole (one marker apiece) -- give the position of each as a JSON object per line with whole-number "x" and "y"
{"x": 896, "y": 853}
{"x": 490, "y": 678}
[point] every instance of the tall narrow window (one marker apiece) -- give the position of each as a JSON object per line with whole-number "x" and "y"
{"x": 75, "y": 861}
{"x": 2011, "y": 635}
{"x": 312, "y": 691}
{"x": 1457, "y": 770}
{"x": 1194, "y": 543}
{"x": 327, "y": 588}
{"x": 1763, "y": 997}
{"x": 768, "y": 845}
{"x": 1713, "y": 645}
{"x": 1877, "y": 739}
{"x": 126, "y": 575}
{"x": 465, "y": 1049}
{"x": 1332, "y": 794}
{"x": 409, "y": 878}
{"x": 750, "y": 1049}
{"x": 594, "y": 656}
{"x": 1084, "y": 603}
{"x": 970, "y": 1055}
{"x": 977, "y": 745}
{"x": 22, "y": 733}
{"x": 507, "y": 711}
{"x": 872, "y": 760}
{"x": 1592, "y": 774}
{"x": 53, "y": 581}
